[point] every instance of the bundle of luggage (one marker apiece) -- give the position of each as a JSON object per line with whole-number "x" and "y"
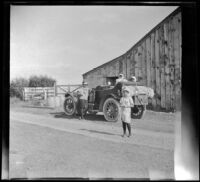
{"x": 135, "y": 90}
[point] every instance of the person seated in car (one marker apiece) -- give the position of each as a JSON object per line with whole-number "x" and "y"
{"x": 133, "y": 79}
{"x": 121, "y": 78}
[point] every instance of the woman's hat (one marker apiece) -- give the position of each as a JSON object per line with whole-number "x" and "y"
{"x": 134, "y": 78}
{"x": 121, "y": 74}
{"x": 125, "y": 89}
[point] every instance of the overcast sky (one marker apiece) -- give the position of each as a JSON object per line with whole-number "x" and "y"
{"x": 64, "y": 42}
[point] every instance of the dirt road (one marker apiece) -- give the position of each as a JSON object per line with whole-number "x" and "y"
{"x": 51, "y": 145}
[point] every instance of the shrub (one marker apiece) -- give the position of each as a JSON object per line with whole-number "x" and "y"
{"x": 16, "y": 87}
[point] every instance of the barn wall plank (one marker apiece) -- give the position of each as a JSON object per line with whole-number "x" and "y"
{"x": 129, "y": 64}
{"x": 137, "y": 66}
{"x": 139, "y": 63}
{"x": 148, "y": 64}
{"x": 180, "y": 53}
{"x": 124, "y": 65}
{"x": 117, "y": 69}
{"x": 153, "y": 71}
{"x": 132, "y": 63}
{"x": 157, "y": 69}
{"x": 177, "y": 62}
{"x": 120, "y": 66}
{"x": 148, "y": 61}
{"x": 143, "y": 62}
{"x": 167, "y": 70}
{"x": 171, "y": 53}
{"x": 162, "y": 66}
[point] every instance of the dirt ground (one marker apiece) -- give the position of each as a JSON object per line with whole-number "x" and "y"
{"x": 156, "y": 121}
{"x": 46, "y": 143}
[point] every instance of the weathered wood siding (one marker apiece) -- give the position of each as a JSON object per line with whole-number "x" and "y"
{"x": 156, "y": 62}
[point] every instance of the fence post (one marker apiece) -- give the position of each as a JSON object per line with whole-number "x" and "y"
{"x": 23, "y": 95}
{"x": 55, "y": 89}
{"x": 45, "y": 94}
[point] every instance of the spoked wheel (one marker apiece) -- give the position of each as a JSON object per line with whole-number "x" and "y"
{"x": 69, "y": 106}
{"x": 137, "y": 111}
{"x": 111, "y": 110}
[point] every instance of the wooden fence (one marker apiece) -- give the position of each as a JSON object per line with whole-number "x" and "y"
{"x": 42, "y": 93}
{"x": 30, "y": 93}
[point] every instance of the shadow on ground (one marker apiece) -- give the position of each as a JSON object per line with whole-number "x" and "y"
{"x": 90, "y": 117}
{"x": 101, "y": 132}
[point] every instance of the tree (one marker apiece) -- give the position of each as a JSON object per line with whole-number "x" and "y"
{"x": 41, "y": 81}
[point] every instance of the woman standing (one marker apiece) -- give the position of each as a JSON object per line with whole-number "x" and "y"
{"x": 126, "y": 102}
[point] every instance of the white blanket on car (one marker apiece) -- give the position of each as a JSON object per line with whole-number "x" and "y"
{"x": 135, "y": 90}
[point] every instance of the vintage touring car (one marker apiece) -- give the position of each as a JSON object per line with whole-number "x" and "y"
{"x": 106, "y": 99}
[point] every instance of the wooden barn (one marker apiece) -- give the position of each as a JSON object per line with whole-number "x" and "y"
{"x": 155, "y": 60}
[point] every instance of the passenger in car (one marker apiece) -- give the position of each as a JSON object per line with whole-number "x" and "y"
{"x": 121, "y": 78}
{"x": 133, "y": 79}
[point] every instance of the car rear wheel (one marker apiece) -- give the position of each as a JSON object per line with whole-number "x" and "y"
{"x": 111, "y": 110}
{"x": 69, "y": 106}
{"x": 137, "y": 111}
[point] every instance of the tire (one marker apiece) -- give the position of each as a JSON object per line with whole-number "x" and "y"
{"x": 111, "y": 110}
{"x": 137, "y": 111}
{"x": 69, "y": 106}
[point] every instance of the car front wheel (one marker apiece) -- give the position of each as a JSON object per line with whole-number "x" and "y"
{"x": 69, "y": 106}
{"x": 111, "y": 110}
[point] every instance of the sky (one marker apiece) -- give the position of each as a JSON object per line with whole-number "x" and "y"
{"x": 63, "y": 42}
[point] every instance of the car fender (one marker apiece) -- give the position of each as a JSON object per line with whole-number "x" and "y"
{"x": 68, "y": 94}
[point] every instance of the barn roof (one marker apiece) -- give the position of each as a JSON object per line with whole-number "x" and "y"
{"x": 136, "y": 44}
